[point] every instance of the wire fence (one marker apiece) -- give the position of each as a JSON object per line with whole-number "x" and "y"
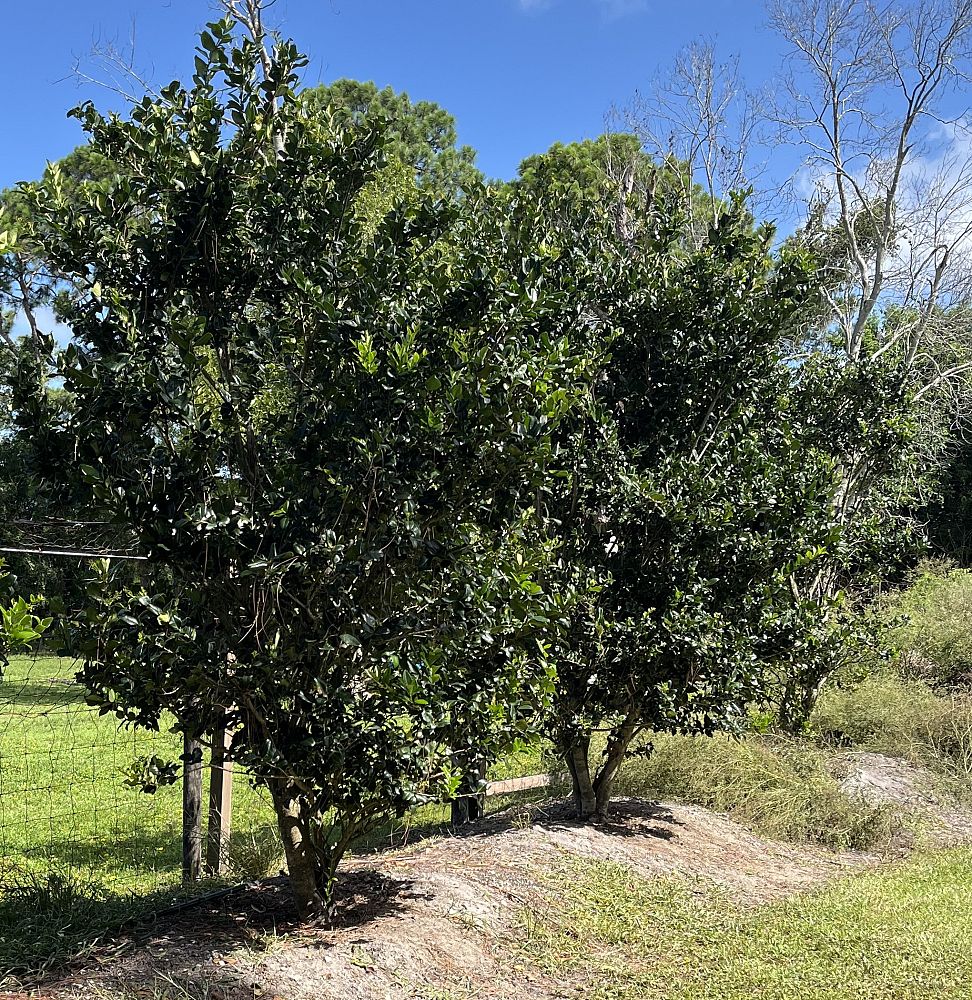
{"x": 84, "y": 847}
{"x": 72, "y": 798}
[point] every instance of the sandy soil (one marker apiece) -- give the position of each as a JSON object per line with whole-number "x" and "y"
{"x": 441, "y": 920}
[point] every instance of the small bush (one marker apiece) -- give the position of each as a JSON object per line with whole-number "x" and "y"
{"x": 902, "y": 718}
{"x": 777, "y": 787}
{"x": 254, "y": 854}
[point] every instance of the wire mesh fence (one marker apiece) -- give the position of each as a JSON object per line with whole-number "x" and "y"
{"x": 84, "y": 848}
{"x": 72, "y": 798}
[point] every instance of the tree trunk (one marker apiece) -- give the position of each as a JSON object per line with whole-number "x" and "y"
{"x": 617, "y": 747}
{"x": 798, "y": 701}
{"x": 308, "y": 879}
{"x": 579, "y": 764}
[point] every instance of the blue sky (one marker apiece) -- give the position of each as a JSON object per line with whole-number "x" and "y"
{"x": 516, "y": 74}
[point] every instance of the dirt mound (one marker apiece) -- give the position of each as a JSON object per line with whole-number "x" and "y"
{"x": 431, "y": 921}
{"x": 887, "y": 781}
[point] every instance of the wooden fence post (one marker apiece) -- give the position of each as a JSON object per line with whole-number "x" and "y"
{"x": 220, "y": 804}
{"x": 470, "y": 801}
{"x": 191, "y": 810}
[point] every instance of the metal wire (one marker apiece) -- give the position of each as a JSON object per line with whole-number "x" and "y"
{"x": 64, "y": 804}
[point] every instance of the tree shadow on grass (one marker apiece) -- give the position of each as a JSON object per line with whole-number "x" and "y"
{"x": 112, "y": 856}
{"x": 48, "y": 919}
{"x": 40, "y": 695}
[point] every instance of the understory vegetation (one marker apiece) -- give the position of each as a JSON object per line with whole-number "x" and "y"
{"x": 779, "y": 787}
{"x": 903, "y": 718}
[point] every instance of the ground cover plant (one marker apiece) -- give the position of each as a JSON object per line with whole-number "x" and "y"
{"x": 899, "y": 931}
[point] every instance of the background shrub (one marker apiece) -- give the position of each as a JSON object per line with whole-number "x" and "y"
{"x": 934, "y": 641}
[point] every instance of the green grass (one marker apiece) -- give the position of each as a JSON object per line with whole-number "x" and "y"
{"x": 63, "y": 801}
{"x": 80, "y": 851}
{"x": 779, "y": 788}
{"x": 898, "y": 933}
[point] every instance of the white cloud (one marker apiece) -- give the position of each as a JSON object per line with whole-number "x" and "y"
{"x": 611, "y": 10}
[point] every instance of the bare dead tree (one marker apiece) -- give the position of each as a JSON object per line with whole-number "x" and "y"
{"x": 865, "y": 99}
{"x": 700, "y": 118}
{"x": 249, "y": 15}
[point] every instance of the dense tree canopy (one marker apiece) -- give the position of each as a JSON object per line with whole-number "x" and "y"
{"x": 692, "y": 502}
{"x": 419, "y": 465}
{"x": 329, "y": 440}
{"x": 420, "y": 135}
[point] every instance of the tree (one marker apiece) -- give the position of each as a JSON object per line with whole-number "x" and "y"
{"x": 691, "y": 505}
{"x": 949, "y": 511}
{"x": 867, "y": 100}
{"x": 34, "y": 513}
{"x": 701, "y": 117}
{"x": 330, "y": 440}
{"x": 420, "y": 136}
{"x": 611, "y": 174}
{"x": 881, "y": 359}
{"x": 867, "y": 97}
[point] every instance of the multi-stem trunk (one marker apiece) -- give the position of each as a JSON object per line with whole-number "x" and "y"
{"x": 592, "y": 786}
{"x": 578, "y": 757}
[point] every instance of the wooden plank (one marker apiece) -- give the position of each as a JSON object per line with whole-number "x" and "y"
{"x": 521, "y": 784}
{"x": 220, "y": 804}
{"x": 191, "y": 810}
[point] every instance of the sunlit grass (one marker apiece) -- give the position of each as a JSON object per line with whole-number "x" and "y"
{"x": 897, "y": 933}
{"x": 64, "y": 804}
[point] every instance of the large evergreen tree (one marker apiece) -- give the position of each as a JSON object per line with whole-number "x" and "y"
{"x": 331, "y": 436}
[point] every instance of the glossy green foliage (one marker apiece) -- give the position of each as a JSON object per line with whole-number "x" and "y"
{"x": 20, "y": 627}
{"x": 693, "y": 502}
{"x": 331, "y": 440}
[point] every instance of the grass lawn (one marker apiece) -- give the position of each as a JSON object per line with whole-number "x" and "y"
{"x": 80, "y": 850}
{"x": 901, "y": 932}
{"x": 63, "y": 802}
